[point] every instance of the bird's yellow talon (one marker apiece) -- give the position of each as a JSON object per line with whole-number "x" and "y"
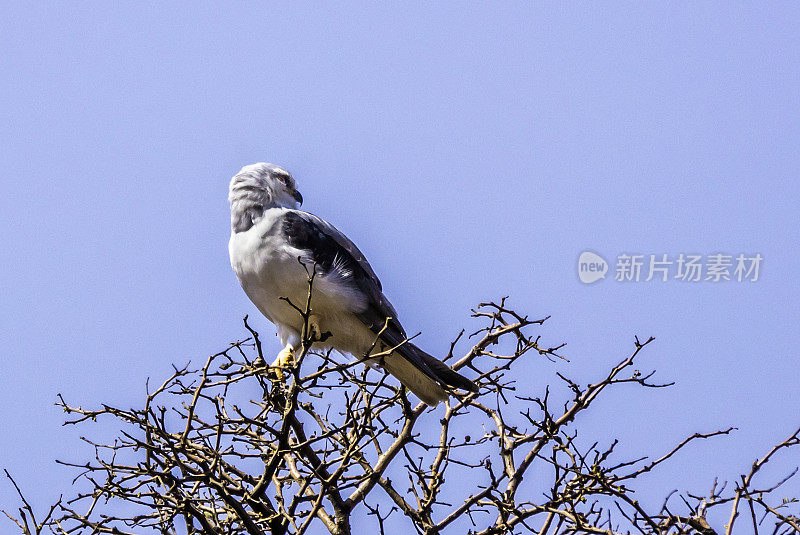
{"x": 284, "y": 359}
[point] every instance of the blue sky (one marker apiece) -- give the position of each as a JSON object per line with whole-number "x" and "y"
{"x": 471, "y": 152}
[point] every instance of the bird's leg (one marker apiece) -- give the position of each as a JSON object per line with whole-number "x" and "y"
{"x": 315, "y": 331}
{"x": 284, "y": 359}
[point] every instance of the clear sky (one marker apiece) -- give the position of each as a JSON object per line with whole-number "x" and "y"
{"x": 471, "y": 151}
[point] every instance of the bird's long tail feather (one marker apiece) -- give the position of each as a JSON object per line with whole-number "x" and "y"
{"x": 425, "y": 375}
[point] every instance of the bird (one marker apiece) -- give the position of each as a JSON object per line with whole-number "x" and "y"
{"x": 273, "y": 246}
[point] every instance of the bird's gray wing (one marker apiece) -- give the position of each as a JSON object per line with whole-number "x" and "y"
{"x": 342, "y": 241}
{"x": 331, "y": 251}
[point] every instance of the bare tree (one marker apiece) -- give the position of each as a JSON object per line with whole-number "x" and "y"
{"x": 332, "y": 445}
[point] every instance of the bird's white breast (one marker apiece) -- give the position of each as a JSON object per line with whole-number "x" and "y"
{"x": 268, "y": 269}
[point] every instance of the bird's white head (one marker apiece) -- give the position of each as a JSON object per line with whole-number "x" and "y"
{"x": 258, "y": 187}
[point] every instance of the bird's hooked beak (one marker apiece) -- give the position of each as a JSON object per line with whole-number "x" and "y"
{"x": 296, "y": 196}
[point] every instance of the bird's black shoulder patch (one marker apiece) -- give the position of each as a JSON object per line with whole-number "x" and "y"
{"x": 322, "y": 248}
{"x": 329, "y": 254}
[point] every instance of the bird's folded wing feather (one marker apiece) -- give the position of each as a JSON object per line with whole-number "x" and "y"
{"x": 334, "y": 254}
